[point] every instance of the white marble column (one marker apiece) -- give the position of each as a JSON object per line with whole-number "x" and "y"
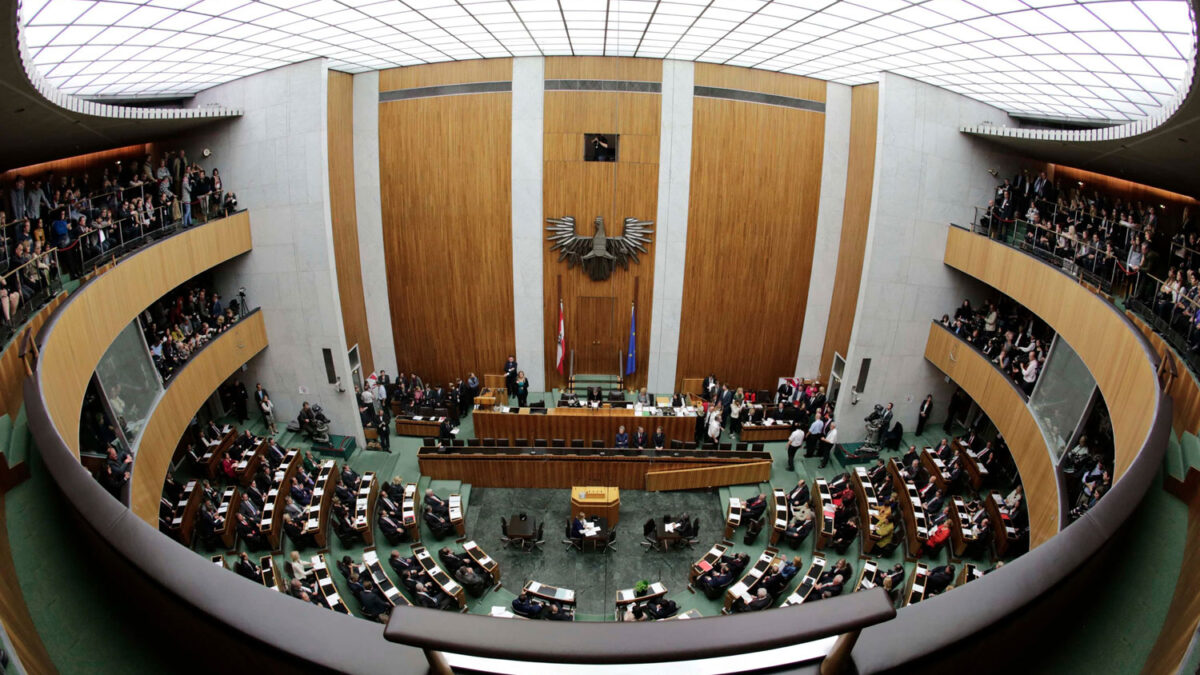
{"x": 834, "y": 157}
{"x": 670, "y": 248}
{"x": 528, "y": 104}
{"x": 370, "y": 221}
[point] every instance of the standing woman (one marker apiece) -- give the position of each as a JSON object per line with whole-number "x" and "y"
{"x": 736, "y": 410}
{"x": 714, "y": 425}
{"x": 268, "y": 411}
{"x": 522, "y": 386}
{"x": 923, "y": 413}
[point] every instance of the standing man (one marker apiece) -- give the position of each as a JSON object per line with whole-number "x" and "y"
{"x": 240, "y": 403}
{"x": 794, "y": 442}
{"x": 828, "y": 441}
{"x": 726, "y": 403}
{"x": 510, "y": 375}
{"x": 923, "y": 413}
{"x": 814, "y": 434}
{"x": 785, "y": 392}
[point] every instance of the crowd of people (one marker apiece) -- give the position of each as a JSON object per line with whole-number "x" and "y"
{"x": 68, "y": 220}
{"x": 183, "y": 321}
{"x": 1015, "y": 340}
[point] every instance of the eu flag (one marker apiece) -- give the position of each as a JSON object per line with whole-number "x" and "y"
{"x": 631, "y": 360}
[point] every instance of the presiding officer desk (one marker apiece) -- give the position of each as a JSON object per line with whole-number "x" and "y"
{"x": 589, "y": 424}
{"x": 628, "y": 469}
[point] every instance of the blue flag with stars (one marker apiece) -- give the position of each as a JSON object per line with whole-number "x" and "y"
{"x": 631, "y": 360}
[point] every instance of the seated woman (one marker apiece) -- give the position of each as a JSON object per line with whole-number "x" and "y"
{"x": 622, "y": 440}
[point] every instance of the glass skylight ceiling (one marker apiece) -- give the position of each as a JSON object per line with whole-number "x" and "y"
{"x": 1110, "y": 60}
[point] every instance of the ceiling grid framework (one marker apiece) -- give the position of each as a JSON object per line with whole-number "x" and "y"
{"x": 1104, "y": 61}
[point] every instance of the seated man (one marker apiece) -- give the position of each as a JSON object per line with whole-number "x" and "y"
{"x": 475, "y": 583}
{"x": 800, "y": 495}
{"x": 372, "y": 603}
{"x": 844, "y": 536}
{"x": 248, "y": 568}
{"x": 738, "y": 563}
{"x": 301, "y": 494}
{"x": 715, "y": 579}
{"x": 943, "y": 451}
{"x": 556, "y": 613}
{"x": 392, "y": 528}
{"x": 661, "y": 608}
{"x": 527, "y": 606}
{"x": 753, "y": 508}
{"x": 798, "y": 530}
{"x": 452, "y": 561}
{"x": 298, "y": 589}
{"x": 430, "y": 596}
{"x": 828, "y": 590}
{"x": 939, "y": 579}
{"x": 622, "y": 440}
{"x": 773, "y": 582}
{"x": 762, "y": 600}
{"x": 249, "y": 533}
{"x": 436, "y": 503}
{"x": 208, "y": 523}
{"x": 295, "y": 532}
{"x": 935, "y": 503}
{"x": 439, "y": 524}
{"x": 841, "y": 567}
{"x": 349, "y": 477}
{"x": 400, "y": 564}
{"x": 910, "y": 456}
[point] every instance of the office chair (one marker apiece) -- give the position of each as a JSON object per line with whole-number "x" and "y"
{"x": 597, "y": 443}
{"x": 539, "y": 442}
{"x": 757, "y": 447}
{"x": 693, "y": 536}
{"x": 429, "y": 442}
{"x": 522, "y": 442}
{"x": 539, "y": 540}
{"x": 488, "y": 442}
{"x": 458, "y": 443}
{"x": 504, "y": 538}
{"x": 648, "y": 535}
{"x": 739, "y": 447}
{"x": 572, "y": 542}
{"x": 676, "y": 444}
{"x": 609, "y": 544}
{"x": 558, "y": 443}
{"x": 724, "y": 446}
{"x": 689, "y": 445}
{"x": 576, "y": 442}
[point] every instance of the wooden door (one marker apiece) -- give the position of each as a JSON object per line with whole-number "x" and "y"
{"x": 597, "y": 346}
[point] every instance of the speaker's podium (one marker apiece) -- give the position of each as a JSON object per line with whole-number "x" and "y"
{"x": 596, "y": 501}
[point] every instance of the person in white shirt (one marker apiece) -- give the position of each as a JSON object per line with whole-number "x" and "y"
{"x": 714, "y": 425}
{"x": 828, "y": 441}
{"x": 300, "y": 570}
{"x": 1029, "y": 373}
{"x": 794, "y": 442}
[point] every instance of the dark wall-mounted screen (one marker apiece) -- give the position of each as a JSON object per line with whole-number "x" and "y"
{"x": 599, "y": 147}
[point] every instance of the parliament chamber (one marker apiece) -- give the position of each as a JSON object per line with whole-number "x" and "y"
{"x": 355, "y": 337}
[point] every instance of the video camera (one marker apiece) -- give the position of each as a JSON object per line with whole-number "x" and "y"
{"x": 875, "y": 414}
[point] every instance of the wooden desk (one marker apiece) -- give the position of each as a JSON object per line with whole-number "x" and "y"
{"x": 869, "y": 577}
{"x": 579, "y": 423}
{"x": 749, "y": 581}
{"x": 706, "y": 563}
{"x": 245, "y": 468}
{"x": 457, "y": 514}
{"x": 782, "y": 514}
{"x": 868, "y": 507}
{"x": 755, "y": 433}
{"x": 916, "y": 526}
{"x": 937, "y": 470}
{"x": 231, "y": 499}
{"x": 382, "y": 581}
{"x": 733, "y": 517}
{"x": 485, "y": 561}
{"x": 968, "y": 573}
{"x": 823, "y": 507}
{"x": 266, "y": 567}
{"x": 185, "y": 512}
{"x": 316, "y": 516}
{"x": 325, "y": 586}
{"x": 1003, "y": 531}
{"x": 408, "y": 512}
{"x": 916, "y": 584}
{"x": 215, "y": 452}
{"x": 364, "y": 507}
{"x": 604, "y": 502}
{"x": 977, "y": 473}
{"x": 271, "y": 522}
{"x": 627, "y": 596}
{"x": 424, "y": 428}
{"x": 692, "y": 385}
{"x": 808, "y": 583}
{"x": 563, "y": 596}
{"x": 449, "y": 586}
{"x": 962, "y": 531}
{"x": 690, "y": 614}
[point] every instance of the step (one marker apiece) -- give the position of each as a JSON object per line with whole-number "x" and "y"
{"x": 1191, "y": 451}
{"x": 6, "y": 425}
{"x": 1174, "y": 462}
{"x": 18, "y": 443}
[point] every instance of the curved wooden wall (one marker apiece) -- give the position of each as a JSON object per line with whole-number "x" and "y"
{"x": 998, "y": 397}
{"x": 88, "y": 325}
{"x": 183, "y": 397}
{"x": 1184, "y": 388}
{"x": 12, "y": 366}
{"x": 1109, "y": 346}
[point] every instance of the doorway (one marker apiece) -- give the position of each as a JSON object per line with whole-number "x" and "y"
{"x": 597, "y": 336}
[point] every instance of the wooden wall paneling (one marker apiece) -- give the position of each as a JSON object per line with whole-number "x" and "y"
{"x": 185, "y": 394}
{"x": 12, "y": 366}
{"x": 450, "y": 72}
{"x": 860, "y": 177}
{"x": 91, "y": 163}
{"x": 445, "y": 167}
{"x": 752, "y": 219}
{"x": 1111, "y": 348}
{"x": 588, "y": 427}
{"x": 603, "y": 68}
{"x": 88, "y": 325}
{"x": 1184, "y": 389}
{"x": 548, "y": 471}
{"x": 613, "y": 190}
{"x": 1068, "y": 179}
{"x": 344, "y": 217}
{"x": 1169, "y": 648}
{"x": 997, "y": 397}
{"x": 767, "y": 82}
{"x": 706, "y": 477}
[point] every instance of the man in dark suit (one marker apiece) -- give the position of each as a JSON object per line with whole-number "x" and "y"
{"x": 800, "y": 495}
{"x": 923, "y": 412}
{"x": 798, "y": 530}
{"x": 527, "y": 606}
{"x": 435, "y": 502}
{"x": 773, "y": 582}
{"x": 248, "y": 568}
{"x": 438, "y": 523}
{"x": 250, "y": 510}
{"x": 715, "y": 579}
{"x": 472, "y": 580}
{"x": 510, "y": 375}
{"x": 939, "y": 578}
{"x": 249, "y": 533}
{"x": 844, "y": 535}
{"x": 829, "y": 590}
{"x": 640, "y": 439}
{"x": 885, "y": 418}
{"x": 429, "y": 597}
{"x": 726, "y": 403}
{"x": 755, "y": 506}
{"x": 373, "y": 604}
{"x": 660, "y": 439}
{"x": 762, "y": 600}
{"x": 785, "y": 392}
{"x": 391, "y": 528}
{"x": 556, "y": 613}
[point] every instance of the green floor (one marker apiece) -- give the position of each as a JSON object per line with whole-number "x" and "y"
{"x": 69, "y": 606}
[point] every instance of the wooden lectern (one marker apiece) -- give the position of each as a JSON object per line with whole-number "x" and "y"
{"x": 596, "y": 501}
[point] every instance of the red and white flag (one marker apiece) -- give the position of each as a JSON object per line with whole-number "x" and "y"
{"x": 562, "y": 338}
